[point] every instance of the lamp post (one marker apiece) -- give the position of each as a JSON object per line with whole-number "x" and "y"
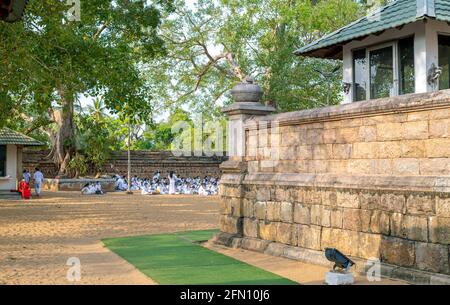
{"x": 129, "y": 192}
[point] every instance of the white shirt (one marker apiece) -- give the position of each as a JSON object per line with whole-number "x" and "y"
{"x": 27, "y": 177}
{"x": 38, "y": 177}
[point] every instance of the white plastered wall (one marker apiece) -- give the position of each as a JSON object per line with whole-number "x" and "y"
{"x": 9, "y": 182}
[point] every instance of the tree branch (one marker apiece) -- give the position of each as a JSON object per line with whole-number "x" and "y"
{"x": 100, "y": 30}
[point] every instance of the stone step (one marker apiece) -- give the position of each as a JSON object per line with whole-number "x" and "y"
{"x": 6, "y": 195}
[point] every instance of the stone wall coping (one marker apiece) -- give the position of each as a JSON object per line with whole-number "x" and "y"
{"x": 248, "y": 108}
{"x": 388, "y": 183}
{"x": 399, "y": 104}
{"x": 62, "y": 181}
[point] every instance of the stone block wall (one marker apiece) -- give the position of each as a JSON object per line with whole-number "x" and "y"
{"x": 407, "y": 229}
{"x": 75, "y": 185}
{"x": 144, "y": 164}
{"x": 371, "y": 179}
{"x": 413, "y": 143}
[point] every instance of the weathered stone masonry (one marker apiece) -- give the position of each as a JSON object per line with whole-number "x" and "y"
{"x": 144, "y": 164}
{"x": 371, "y": 179}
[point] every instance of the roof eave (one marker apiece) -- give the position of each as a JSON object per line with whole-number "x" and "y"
{"x": 33, "y": 144}
{"x": 16, "y": 138}
{"x": 23, "y": 144}
{"x": 317, "y": 53}
{"x": 334, "y": 52}
{"x": 425, "y": 10}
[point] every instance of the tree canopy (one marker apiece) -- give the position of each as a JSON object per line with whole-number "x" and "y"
{"x": 214, "y": 44}
{"x": 142, "y": 60}
{"x": 48, "y": 61}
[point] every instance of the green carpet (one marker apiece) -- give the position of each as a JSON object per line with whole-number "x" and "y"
{"x": 178, "y": 259}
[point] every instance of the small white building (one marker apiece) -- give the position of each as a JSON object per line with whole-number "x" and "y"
{"x": 398, "y": 49}
{"x": 11, "y": 144}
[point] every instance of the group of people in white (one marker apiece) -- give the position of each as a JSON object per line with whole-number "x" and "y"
{"x": 93, "y": 188}
{"x": 170, "y": 185}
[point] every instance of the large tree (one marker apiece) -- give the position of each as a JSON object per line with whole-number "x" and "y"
{"x": 214, "y": 44}
{"x": 47, "y": 62}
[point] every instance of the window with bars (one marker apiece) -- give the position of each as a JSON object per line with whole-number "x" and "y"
{"x": 2, "y": 160}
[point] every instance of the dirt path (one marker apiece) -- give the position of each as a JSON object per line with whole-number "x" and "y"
{"x": 37, "y": 238}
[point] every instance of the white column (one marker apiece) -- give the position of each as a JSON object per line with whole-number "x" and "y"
{"x": 420, "y": 60}
{"x": 11, "y": 165}
{"x": 426, "y": 54}
{"x": 348, "y": 74}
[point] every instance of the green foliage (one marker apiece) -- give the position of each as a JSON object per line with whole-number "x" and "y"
{"x": 78, "y": 165}
{"x": 94, "y": 136}
{"x": 143, "y": 58}
{"x": 180, "y": 129}
{"x": 159, "y": 137}
{"x": 262, "y": 36}
{"x": 47, "y": 62}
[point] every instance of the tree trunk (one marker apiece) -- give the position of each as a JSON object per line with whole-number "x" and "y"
{"x": 64, "y": 144}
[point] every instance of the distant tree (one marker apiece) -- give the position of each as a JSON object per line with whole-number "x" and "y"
{"x": 94, "y": 138}
{"x": 159, "y": 136}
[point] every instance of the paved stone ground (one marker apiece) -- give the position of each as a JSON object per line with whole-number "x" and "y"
{"x": 305, "y": 274}
{"x": 39, "y": 236}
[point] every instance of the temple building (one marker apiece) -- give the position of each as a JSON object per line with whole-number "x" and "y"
{"x": 371, "y": 179}
{"x": 11, "y": 144}
{"x": 398, "y": 49}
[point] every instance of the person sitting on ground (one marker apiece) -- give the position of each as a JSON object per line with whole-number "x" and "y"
{"x": 88, "y": 189}
{"x": 98, "y": 189}
{"x": 121, "y": 184}
{"x": 24, "y": 190}
{"x": 202, "y": 191}
{"x": 156, "y": 177}
{"x": 147, "y": 189}
{"x": 158, "y": 191}
{"x": 135, "y": 184}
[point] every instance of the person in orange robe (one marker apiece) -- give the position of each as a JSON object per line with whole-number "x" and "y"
{"x": 24, "y": 190}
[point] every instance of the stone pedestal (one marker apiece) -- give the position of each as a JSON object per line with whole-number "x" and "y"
{"x": 335, "y": 278}
{"x": 247, "y": 105}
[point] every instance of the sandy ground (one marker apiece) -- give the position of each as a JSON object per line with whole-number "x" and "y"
{"x": 38, "y": 237}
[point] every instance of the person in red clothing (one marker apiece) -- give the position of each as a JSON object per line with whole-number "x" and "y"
{"x": 24, "y": 190}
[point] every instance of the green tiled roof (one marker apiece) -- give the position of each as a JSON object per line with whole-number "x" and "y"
{"x": 10, "y": 137}
{"x": 395, "y": 14}
{"x": 443, "y": 10}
